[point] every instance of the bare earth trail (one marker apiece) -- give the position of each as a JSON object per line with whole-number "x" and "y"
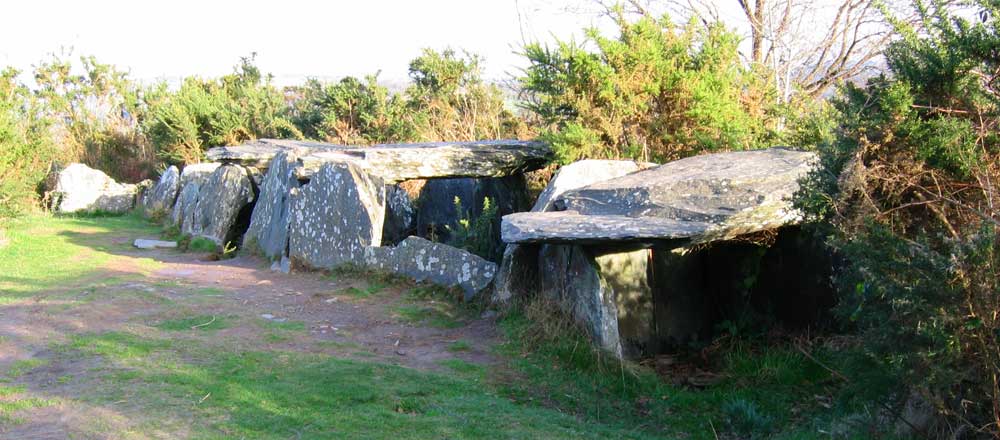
{"x": 226, "y": 306}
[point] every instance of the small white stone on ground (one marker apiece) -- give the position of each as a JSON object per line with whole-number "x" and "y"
{"x": 145, "y": 243}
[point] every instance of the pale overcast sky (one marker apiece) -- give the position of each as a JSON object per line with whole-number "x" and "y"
{"x": 293, "y": 39}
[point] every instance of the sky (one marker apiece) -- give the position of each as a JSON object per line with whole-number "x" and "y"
{"x": 293, "y": 39}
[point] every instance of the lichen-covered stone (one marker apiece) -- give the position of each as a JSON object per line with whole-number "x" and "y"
{"x": 337, "y": 216}
{"x": 197, "y": 173}
{"x": 438, "y": 216}
{"x": 221, "y": 199}
{"x": 571, "y": 278}
{"x": 400, "y": 217}
{"x": 269, "y": 224}
{"x": 399, "y": 162}
{"x": 570, "y": 227}
{"x": 79, "y": 188}
{"x": 161, "y": 197}
{"x": 518, "y": 272}
{"x": 424, "y": 260}
{"x": 184, "y": 206}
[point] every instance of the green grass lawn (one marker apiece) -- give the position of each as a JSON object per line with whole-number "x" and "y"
{"x": 176, "y": 374}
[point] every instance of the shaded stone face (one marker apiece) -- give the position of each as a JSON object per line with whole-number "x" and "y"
{"x": 438, "y": 215}
{"x": 161, "y": 197}
{"x": 401, "y": 216}
{"x": 271, "y": 219}
{"x": 570, "y": 277}
{"x": 187, "y": 200}
{"x": 424, "y": 260}
{"x": 336, "y": 216}
{"x": 518, "y": 272}
{"x": 79, "y": 188}
{"x": 221, "y": 199}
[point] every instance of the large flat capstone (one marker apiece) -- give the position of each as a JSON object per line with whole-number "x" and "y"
{"x": 398, "y": 162}
{"x": 705, "y": 198}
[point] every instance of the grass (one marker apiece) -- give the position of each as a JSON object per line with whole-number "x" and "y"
{"x": 79, "y": 245}
{"x": 264, "y": 395}
{"x": 548, "y": 382}
{"x": 196, "y": 323}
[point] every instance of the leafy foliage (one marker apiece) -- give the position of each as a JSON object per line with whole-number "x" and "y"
{"x": 25, "y": 149}
{"x": 909, "y": 190}
{"x": 352, "y": 112}
{"x": 656, "y": 92}
{"x": 207, "y": 113}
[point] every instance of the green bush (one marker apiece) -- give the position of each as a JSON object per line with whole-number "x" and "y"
{"x": 25, "y": 148}
{"x": 908, "y": 190}
{"x": 352, "y": 112}
{"x": 656, "y": 92}
{"x": 229, "y": 110}
{"x": 478, "y": 234}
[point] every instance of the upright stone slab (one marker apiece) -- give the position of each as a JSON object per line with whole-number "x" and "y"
{"x": 269, "y": 224}
{"x": 337, "y": 216}
{"x": 79, "y": 188}
{"x": 571, "y": 277}
{"x": 518, "y": 272}
{"x": 192, "y": 178}
{"x": 424, "y": 260}
{"x": 162, "y": 196}
{"x": 400, "y": 217}
{"x": 438, "y": 216}
{"x": 222, "y": 199}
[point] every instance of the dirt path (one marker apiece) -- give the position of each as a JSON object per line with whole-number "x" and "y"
{"x": 237, "y": 303}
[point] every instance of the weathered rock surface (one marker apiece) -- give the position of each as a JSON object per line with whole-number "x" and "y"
{"x": 570, "y": 227}
{"x": 269, "y": 224}
{"x": 192, "y": 178}
{"x": 571, "y": 278}
{"x": 400, "y": 217}
{"x": 583, "y": 173}
{"x": 161, "y": 197}
{"x": 143, "y": 243}
{"x": 732, "y": 193}
{"x": 518, "y": 272}
{"x": 79, "y": 188}
{"x": 399, "y": 162}
{"x": 424, "y": 260}
{"x": 260, "y": 153}
{"x": 222, "y": 199}
{"x": 337, "y": 216}
{"x": 438, "y": 216}
{"x": 198, "y": 173}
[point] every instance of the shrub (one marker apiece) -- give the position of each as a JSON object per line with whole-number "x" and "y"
{"x": 229, "y": 110}
{"x": 656, "y": 92}
{"x": 352, "y": 112}
{"x": 479, "y": 234}
{"x": 908, "y": 188}
{"x": 25, "y": 147}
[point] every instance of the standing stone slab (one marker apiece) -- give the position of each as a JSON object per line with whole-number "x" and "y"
{"x": 183, "y": 209}
{"x": 79, "y": 188}
{"x": 198, "y": 173}
{"x": 269, "y": 224}
{"x": 424, "y": 260}
{"x": 221, "y": 199}
{"x": 518, "y": 272}
{"x": 400, "y": 217}
{"x": 162, "y": 196}
{"x": 337, "y": 216}
{"x": 438, "y": 216}
{"x": 571, "y": 277}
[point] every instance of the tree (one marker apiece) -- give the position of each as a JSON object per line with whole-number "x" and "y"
{"x": 805, "y": 46}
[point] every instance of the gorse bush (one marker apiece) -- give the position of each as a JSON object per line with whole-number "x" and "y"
{"x": 351, "y": 111}
{"x": 229, "y": 110}
{"x": 656, "y": 92}
{"x": 909, "y": 190}
{"x": 25, "y": 148}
